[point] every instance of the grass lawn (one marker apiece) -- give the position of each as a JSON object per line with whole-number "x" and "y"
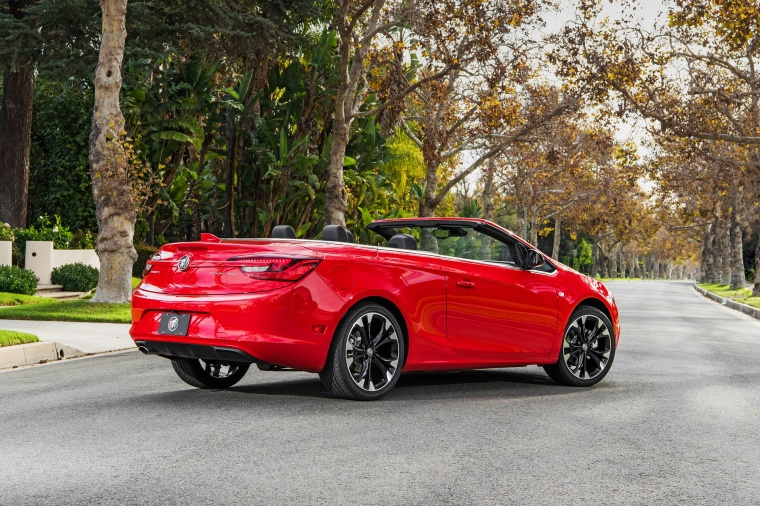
{"x": 15, "y": 299}
{"x": 70, "y": 311}
{"x": 11, "y": 338}
{"x": 40, "y": 308}
{"x": 742, "y": 295}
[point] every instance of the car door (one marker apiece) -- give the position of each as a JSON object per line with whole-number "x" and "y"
{"x": 494, "y": 308}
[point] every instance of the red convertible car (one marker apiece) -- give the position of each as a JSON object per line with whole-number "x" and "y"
{"x": 442, "y": 294}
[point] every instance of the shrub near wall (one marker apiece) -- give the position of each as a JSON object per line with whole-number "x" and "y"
{"x": 15, "y": 280}
{"x": 76, "y": 277}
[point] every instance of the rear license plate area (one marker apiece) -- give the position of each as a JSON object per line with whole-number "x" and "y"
{"x": 174, "y": 324}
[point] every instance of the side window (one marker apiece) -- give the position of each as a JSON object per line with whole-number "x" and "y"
{"x": 470, "y": 244}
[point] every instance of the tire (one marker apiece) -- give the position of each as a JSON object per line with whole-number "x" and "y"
{"x": 588, "y": 349}
{"x": 363, "y": 365}
{"x": 202, "y": 374}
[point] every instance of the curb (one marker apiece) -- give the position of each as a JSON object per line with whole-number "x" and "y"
{"x": 744, "y": 308}
{"x": 35, "y": 353}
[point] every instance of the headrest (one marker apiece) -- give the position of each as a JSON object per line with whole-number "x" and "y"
{"x": 350, "y": 237}
{"x": 283, "y": 232}
{"x": 403, "y": 241}
{"x": 334, "y": 233}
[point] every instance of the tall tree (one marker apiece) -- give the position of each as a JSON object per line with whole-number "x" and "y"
{"x": 357, "y": 25}
{"x": 111, "y": 186}
{"x": 16, "y": 130}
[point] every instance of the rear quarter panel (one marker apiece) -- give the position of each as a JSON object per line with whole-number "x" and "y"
{"x": 414, "y": 282}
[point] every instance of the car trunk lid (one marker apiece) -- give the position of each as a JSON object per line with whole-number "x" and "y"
{"x": 227, "y": 267}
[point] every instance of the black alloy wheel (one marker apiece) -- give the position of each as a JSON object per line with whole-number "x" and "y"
{"x": 588, "y": 348}
{"x": 366, "y": 355}
{"x": 209, "y": 374}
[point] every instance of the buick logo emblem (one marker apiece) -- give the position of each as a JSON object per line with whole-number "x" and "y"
{"x": 184, "y": 262}
{"x": 173, "y": 323}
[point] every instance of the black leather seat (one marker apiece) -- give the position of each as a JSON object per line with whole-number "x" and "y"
{"x": 403, "y": 241}
{"x": 283, "y": 232}
{"x": 350, "y": 236}
{"x": 334, "y": 233}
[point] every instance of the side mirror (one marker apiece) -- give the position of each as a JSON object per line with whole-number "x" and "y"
{"x": 535, "y": 259}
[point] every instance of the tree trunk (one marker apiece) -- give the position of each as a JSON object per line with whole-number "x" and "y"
{"x": 522, "y": 222}
{"x": 737, "y": 261}
{"x": 347, "y": 101}
{"x": 756, "y": 287}
{"x": 195, "y": 218}
{"x": 427, "y": 206}
{"x": 557, "y": 237}
{"x": 229, "y": 215}
{"x": 718, "y": 254}
{"x": 595, "y": 259}
{"x": 621, "y": 263}
{"x": 707, "y": 269}
{"x": 111, "y": 187}
{"x": 534, "y": 229}
{"x": 15, "y": 144}
{"x": 16, "y": 132}
{"x": 488, "y": 210}
{"x": 336, "y": 198}
{"x": 725, "y": 249}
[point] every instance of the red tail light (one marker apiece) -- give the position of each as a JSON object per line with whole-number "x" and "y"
{"x": 276, "y": 268}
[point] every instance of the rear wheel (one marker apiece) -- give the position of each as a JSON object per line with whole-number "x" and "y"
{"x": 366, "y": 355}
{"x": 209, "y": 374}
{"x": 588, "y": 349}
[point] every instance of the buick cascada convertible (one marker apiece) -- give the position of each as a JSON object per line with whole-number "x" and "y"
{"x": 441, "y": 294}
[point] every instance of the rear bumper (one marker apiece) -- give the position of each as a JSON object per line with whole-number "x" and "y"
{"x": 276, "y": 327}
{"x": 204, "y": 352}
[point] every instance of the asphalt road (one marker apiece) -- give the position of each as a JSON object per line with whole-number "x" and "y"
{"x": 677, "y": 420}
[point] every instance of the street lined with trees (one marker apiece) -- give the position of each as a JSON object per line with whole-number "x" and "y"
{"x": 165, "y": 121}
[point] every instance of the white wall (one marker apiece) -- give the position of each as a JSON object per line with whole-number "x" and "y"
{"x": 6, "y": 251}
{"x": 41, "y": 258}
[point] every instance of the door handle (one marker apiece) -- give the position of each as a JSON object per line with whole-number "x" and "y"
{"x": 466, "y": 284}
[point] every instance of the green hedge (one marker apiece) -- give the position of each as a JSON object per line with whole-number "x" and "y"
{"x": 15, "y": 280}
{"x": 144, "y": 252}
{"x": 76, "y": 277}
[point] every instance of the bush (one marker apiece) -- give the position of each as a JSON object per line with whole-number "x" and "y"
{"x": 15, "y": 280}
{"x": 76, "y": 277}
{"x": 59, "y": 179}
{"x": 144, "y": 252}
{"x": 6, "y": 232}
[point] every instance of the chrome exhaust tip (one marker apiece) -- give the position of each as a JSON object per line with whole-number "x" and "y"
{"x": 143, "y": 350}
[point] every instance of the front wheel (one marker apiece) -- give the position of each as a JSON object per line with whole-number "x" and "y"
{"x": 588, "y": 349}
{"x": 366, "y": 355}
{"x": 209, "y": 374}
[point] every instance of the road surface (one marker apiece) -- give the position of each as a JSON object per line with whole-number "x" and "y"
{"x": 677, "y": 420}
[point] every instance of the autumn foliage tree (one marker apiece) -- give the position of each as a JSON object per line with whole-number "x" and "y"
{"x": 695, "y": 78}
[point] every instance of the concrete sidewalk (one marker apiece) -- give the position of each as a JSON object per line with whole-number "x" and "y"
{"x": 85, "y": 337}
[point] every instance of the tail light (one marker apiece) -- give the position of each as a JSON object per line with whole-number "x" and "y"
{"x": 276, "y": 268}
